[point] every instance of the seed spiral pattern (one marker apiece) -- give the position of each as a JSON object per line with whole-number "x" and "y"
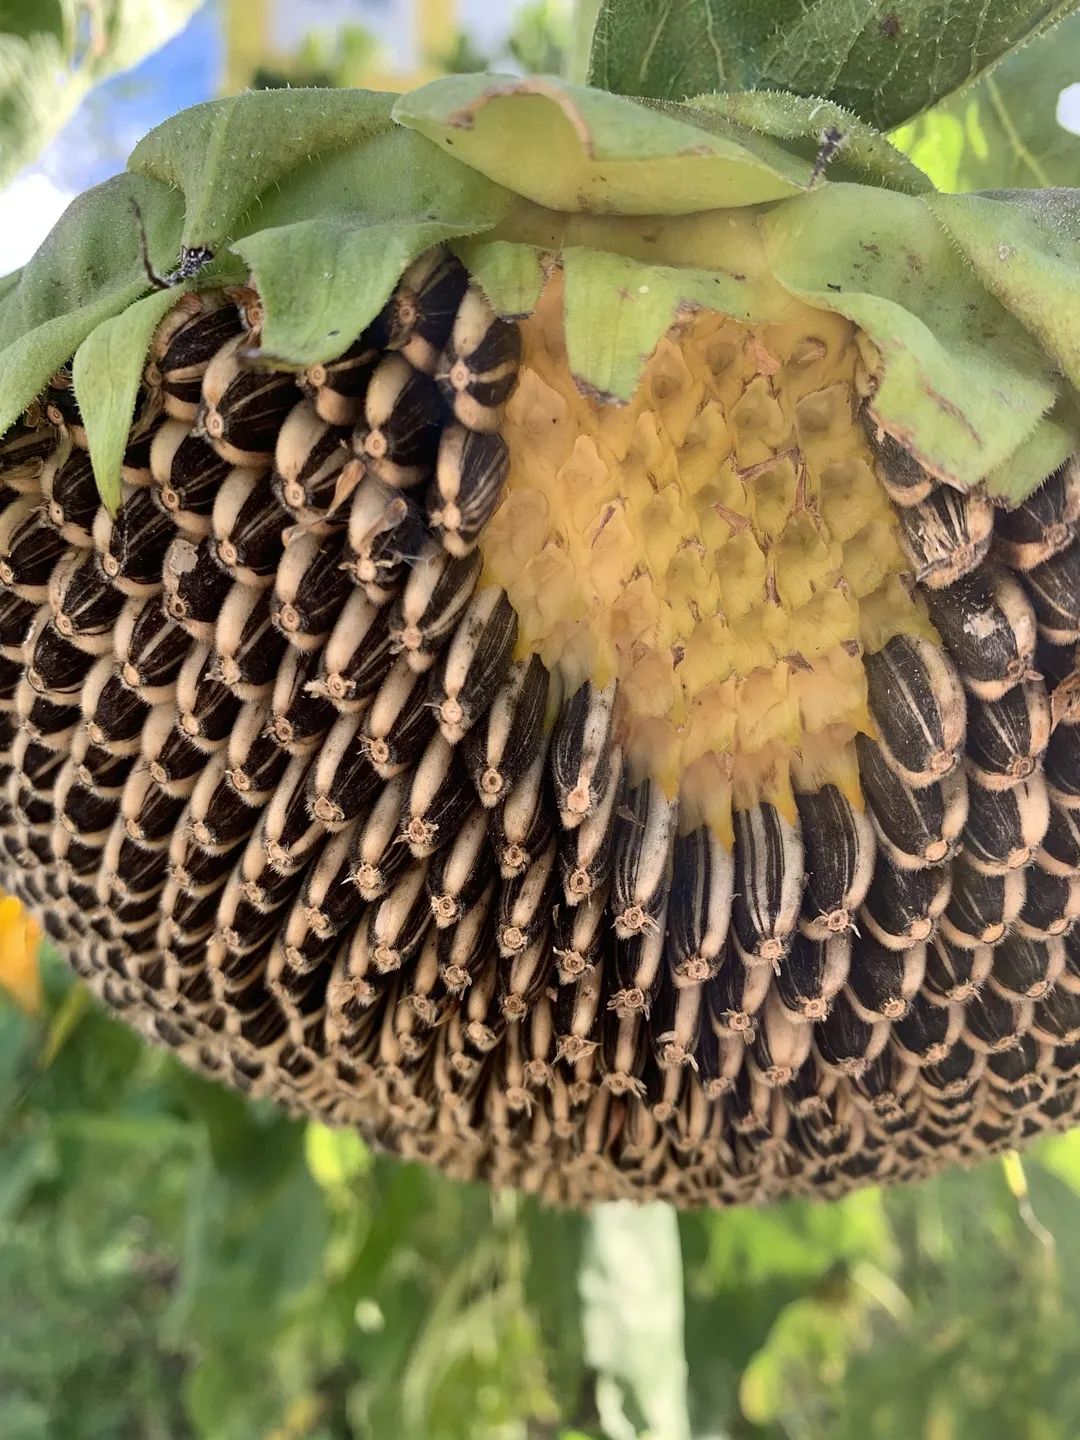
{"x": 281, "y": 781}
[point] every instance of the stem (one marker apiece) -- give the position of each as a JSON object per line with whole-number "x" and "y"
{"x": 577, "y": 61}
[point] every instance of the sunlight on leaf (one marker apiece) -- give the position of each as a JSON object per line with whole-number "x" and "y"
{"x": 1006, "y": 130}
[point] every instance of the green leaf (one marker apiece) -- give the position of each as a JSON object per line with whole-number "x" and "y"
{"x": 1023, "y": 248}
{"x": 962, "y": 385}
{"x": 617, "y": 309}
{"x": 1054, "y": 439}
{"x": 573, "y": 148}
{"x": 224, "y": 154}
{"x": 510, "y": 275}
{"x": 52, "y": 54}
{"x": 1003, "y": 130}
{"x": 106, "y": 373}
{"x": 413, "y": 196}
{"x": 632, "y": 1314}
{"x": 864, "y": 157}
{"x": 886, "y": 60}
{"x": 88, "y": 269}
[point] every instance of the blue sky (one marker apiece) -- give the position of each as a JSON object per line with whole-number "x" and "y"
{"x": 97, "y": 141}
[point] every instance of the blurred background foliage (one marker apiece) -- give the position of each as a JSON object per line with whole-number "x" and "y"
{"x": 177, "y": 1264}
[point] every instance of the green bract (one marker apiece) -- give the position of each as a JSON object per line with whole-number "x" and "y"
{"x": 972, "y": 303}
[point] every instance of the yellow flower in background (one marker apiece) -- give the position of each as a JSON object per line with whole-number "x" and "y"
{"x": 19, "y": 939}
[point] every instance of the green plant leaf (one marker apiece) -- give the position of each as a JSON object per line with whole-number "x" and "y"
{"x": 617, "y": 309}
{"x": 1004, "y": 130}
{"x": 88, "y": 269}
{"x": 962, "y": 384}
{"x": 631, "y": 1285}
{"x": 225, "y": 153}
{"x": 865, "y": 156}
{"x": 52, "y": 54}
{"x": 1023, "y": 248}
{"x": 574, "y": 148}
{"x": 886, "y": 60}
{"x": 106, "y": 373}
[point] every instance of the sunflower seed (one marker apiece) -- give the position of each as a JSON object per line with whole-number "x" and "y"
{"x": 314, "y": 472}
{"x": 736, "y": 994}
{"x": 131, "y": 545}
{"x": 946, "y": 535}
{"x": 399, "y": 723}
{"x": 187, "y": 474}
{"x": 992, "y": 1022}
{"x": 195, "y": 587}
{"x": 983, "y": 906}
{"x": 914, "y": 827}
{"x": 470, "y": 475}
{"x": 83, "y": 604}
{"x": 838, "y": 840}
{"x": 474, "y": 663}
{"x": 336, "y": 388}
{"x": 918, "y": 705}
{"x": 479, "y": 370}
{"x": 29, "y": 549}
{"x": 699, "y": 908}
{"x": 398, "y": 436}
{"x": 247, "y": 647}
{"x": 882, "y": 982}
{"x": 1054, "y": 591}
{"x": 768, "y": 882}
{"x": 525, "y": 906}
{"x": 1025, "y": 968}
{"x": 1051, "y": 902}
{"x": 636, "y": 970}
{"x": 587, "y": 853}
{"x": 524, "y": 824}
{"x": 342, "y": 781}
{"x": 254, "y": 760}
{"x": 434, "y": 598}
{"x": 357, "y": 657}
{"x": 1005, "y": 827}
{"x": 54, "y": 667}
{"x": 581, "y": 752}
{"x": 458, "y": 873}
{"x": 185, "y": 342}
{"x": 172, "y": 760}
{"x": 1042, "y": 525}
{"x": 438, "y": 794}
{"x": 149, "y": 813}
{"x": 309, "y": 590}
{"x": 781, "y": 1045}
{"x": 385, "y": 536}
{"x": 206, "y": 709}
{"x": 378, "y": 856}
{"x": 465, "y": 948}
{"x": 25, "y": 450}
{"x": 248, "y": 526}
{"x": 299, "y": 717}
{"x": 845, "y": 1043}
{"x": 813, "y": 973}
{"x": 289, "y": 834}
{"x": 901, "y": 476}
{"x": 579, "y": 939}
{"x": 988, "y": 627}
{"x": 112, "y": 713}
{"x": 70, "y": 496}
{"x": 242, "y": 408}
{"x": 218, "y": 817}
{"x": 1006, "y": 738}
{"x": 16, "y": 617}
